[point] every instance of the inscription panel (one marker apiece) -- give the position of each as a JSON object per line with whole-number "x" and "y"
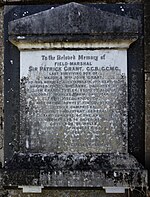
{"x": 73, "y": 100}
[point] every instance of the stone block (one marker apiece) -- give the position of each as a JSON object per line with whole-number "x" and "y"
{"x": 45, "y": 172}
{"x": 80, "y": 21}
{"x": 65, "y": 193}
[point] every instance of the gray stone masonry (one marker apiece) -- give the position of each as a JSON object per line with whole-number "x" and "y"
{"x": 77, "y": 193}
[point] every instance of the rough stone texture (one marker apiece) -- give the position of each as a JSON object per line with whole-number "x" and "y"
{"x": 6, "y": 2}
{"x": 147, "y": 37}
{"x": 147, "y": 85}
{"x": 71, "y": 193}
{"x": 73, "y": 124}
{"x": 135, "y": 66}
{"x": 65, "y": 193}
{"x": 74, "y": 170}
{"x": 73, "y": 19}
{"x": 1, "y": 87}
{"x": 91, "y": 193}
{"x": 12, "y": 177}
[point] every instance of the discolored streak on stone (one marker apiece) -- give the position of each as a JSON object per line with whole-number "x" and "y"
{"x": 74, "y": 18}
{"x": 74, "y": 170}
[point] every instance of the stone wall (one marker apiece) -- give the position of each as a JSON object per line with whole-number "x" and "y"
{"x": 1, "y": 86}
{"x": 147, "y": 83}
{"x": 73, "y": 193}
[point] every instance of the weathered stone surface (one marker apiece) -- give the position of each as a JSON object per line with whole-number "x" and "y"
{"x": 147, "y": 118}
{"x": 58, "y": 12}
{"x": 147, "y": 37}
{"x": 7, "y": 2}
{"x": 74, "y": 170}
{"x": 74, "y": 193}
{"x": 65, "y": 193}
{"x": 134, "y": 60}
{"x": 73, "y": 101}
{"x": 73, "y": 18}
{"x": 57, "y": 178}
{"x": 1, "y": 89}
{"x": 147, "y": 85}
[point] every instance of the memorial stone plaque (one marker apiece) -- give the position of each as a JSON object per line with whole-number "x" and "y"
{"x": 74, "y": 100}
{"x": 73, "y": 96}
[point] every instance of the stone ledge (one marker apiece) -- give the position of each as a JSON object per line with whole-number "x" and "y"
{"x": 74, "y": 170}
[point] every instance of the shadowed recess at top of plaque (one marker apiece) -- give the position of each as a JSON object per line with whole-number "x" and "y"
{"x": 73, "y": 101}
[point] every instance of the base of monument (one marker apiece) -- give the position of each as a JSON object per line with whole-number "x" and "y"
{"x": 74, "y": 170}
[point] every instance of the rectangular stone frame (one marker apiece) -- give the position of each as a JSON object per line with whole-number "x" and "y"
{"x": 135, "y": 62}
{"x": 117, "y": 141}
{"x": 135, "y": 71}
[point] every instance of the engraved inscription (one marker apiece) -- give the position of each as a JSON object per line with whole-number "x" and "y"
{"x": 74, "y": 101}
